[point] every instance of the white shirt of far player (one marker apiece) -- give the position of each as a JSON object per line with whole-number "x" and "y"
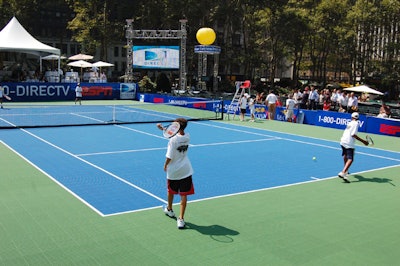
{"x": 251, "y": 104}
{"x": 347, "y": 139}
{"x": 290, "y": 103}
{"x": 243, "y": 102}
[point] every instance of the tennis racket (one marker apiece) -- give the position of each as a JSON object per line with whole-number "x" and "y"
{"x": 7, "y": 97}
{"x": 370, "y": 141}
{"x": 171, "y": 130}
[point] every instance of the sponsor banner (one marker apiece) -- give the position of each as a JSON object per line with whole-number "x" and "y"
{"x": 127, "y": 91}
{"x": 280, "y": 114}
{"x": 207, "y": 49}
{"x": 383, "y": 126}
{"x": 179, "y": 101}
{"x": 336, "y": 120}
{"x": 47, "y": 91}
{"x": 368, "y": 124}
{"x": 260, "y": 111}
{"x": 155, "y": 57}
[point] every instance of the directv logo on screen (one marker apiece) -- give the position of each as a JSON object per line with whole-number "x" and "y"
{"x": 127, "y": 90}
{"x": 156, "y": 57}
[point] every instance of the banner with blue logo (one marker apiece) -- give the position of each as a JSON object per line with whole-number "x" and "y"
{"x": 47, "y": 91}
{"x": 368, "y": 124}
{"x": 337, "y": 120}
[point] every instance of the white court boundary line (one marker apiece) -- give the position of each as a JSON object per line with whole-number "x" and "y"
{"x": 259, "y": 190}
{"x": 87, "y": 162}
{"x": 314, "y": 179}
{"x": 268, "y": 138}
{"x": 309, "y": 137}
{"x": 53, "y": 179}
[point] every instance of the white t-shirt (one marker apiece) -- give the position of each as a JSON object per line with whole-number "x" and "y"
{"x": 334, "y": 97}
{"x": 251, "y": 105}
{"x": 271, "y": 98}
{"x": 353, "y": 101}
{"x": 180, "y": 166}
{"x": 344, "y": 101}
{"x": 347, "y": 139}
{"x": 243, "y": 102}
{"x": 78, "y": 91}
{"x": 297, "y": 96}
{"x": 290, "y": 104}
{"x": 314, "y": 96}
{"x": 350, "y": 101}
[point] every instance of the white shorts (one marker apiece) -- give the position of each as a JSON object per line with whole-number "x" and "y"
{"x": 289, "y": 114}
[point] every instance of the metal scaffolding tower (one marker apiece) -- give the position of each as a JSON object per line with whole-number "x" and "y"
{"x": 180, "y": 34}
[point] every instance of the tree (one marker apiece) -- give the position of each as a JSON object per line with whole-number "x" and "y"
{"x": 96, "y": 24}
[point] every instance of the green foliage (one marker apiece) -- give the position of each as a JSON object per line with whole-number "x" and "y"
{"x": 147, "y": 85}
{"x": 317, "y": 36}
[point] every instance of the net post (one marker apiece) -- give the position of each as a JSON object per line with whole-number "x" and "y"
{"x": 222, "y": 108}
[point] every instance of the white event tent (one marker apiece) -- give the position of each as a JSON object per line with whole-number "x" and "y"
{"x": 14, "y": 38}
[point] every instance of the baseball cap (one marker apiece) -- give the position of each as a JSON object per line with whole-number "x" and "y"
{"x": 355, "y": 115}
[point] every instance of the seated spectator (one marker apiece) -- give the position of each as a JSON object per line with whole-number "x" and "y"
{"x": 384, "y": 111}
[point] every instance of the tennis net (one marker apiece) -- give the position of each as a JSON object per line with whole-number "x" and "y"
{"x": 57, "y": 115}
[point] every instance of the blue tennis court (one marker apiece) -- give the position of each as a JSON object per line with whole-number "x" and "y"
{"x": 116, "y": 169}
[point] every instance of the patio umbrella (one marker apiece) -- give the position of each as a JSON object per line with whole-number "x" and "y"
{"x": 365, "y": 89}
{"x": 101, "y": 64}
{"x": 81, "y": 57}
{"x": 53, "y": 58}
{"x": 80, "y": 63}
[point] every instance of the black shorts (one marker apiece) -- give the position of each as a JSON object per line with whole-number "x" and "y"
{"x": 181, "y": 187}
{"x": 348, "y": 152}
{"x": 243, "y": 111}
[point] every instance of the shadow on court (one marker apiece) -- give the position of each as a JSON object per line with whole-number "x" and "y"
{"x": 360, "y": 178}
{"x": 216, "y": 232}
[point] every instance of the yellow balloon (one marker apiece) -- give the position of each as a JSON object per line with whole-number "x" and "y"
{"x": 205, "y": 36}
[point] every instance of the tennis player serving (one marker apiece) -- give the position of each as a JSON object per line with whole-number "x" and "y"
{"x": 347, "y": 142}
{"x": 179, "y": 170}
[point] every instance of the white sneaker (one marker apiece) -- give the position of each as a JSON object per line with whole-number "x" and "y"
{"x": 180, "y": 223}
{"x": 167, "y": 212}
{"x": 344, "y": 177}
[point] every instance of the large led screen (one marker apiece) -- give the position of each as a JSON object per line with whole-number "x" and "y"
{"x": 155, "y": 57}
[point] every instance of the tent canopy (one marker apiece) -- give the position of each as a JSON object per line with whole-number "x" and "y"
{"x": 14, "y": 38}
{"x": 364, "y": 89}
{"x": 53, "y": 57}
